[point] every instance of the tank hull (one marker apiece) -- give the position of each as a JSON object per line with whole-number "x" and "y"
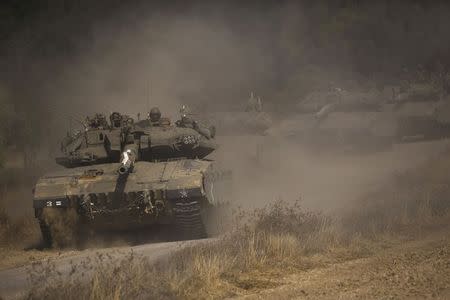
{"x": 172, "y": 192}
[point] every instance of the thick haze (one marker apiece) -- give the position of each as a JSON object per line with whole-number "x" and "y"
{"x": 74, "y": 58}
{"x": 136, "y": 57}
{"x": 66, "y": 59}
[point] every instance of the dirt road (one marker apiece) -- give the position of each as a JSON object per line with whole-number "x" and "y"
{"x": 14, "y": 282}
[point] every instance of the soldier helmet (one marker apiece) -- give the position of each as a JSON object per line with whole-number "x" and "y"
{"x": 115, "y": 119}
{"x": 155, "y": 114}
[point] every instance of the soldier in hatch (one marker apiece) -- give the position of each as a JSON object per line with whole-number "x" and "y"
{"x": 187, "y": 122}
{"x": 116, "y": 120}
{"x": 254, "y": 104}
{"x": 98, "y": 121}
{"x": 155, "y": 118}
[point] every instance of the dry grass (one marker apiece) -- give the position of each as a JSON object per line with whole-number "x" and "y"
{"x": 275, "y": 241}
{"x": 13, "y": 232}
{"x": 278, "y": 240}
{"x": 18, "y": 226}
{"x": 275, "y": 238}
{"x": 15, "y": 235}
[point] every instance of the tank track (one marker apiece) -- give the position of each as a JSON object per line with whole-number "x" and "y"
{"x": 188, "y": 219}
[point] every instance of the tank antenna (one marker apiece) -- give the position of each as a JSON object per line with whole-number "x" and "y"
{"x": 148, "y": 94}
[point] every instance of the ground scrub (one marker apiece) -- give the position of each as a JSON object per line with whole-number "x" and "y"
{"x": 14, "y": 231}
{"x": 279, "y": 239}
{"x": 275, "y": 237}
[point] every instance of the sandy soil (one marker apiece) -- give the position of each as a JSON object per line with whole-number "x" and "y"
{"x": 411, "y": 269}
{"x": 13, "y": 258}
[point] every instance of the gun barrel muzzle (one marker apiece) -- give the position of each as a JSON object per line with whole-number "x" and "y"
{"x": 127, "y": 162}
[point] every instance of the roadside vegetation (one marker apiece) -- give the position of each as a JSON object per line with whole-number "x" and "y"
{"x": 14, "y": 231}
{"x": 16, "y": 235}
{"x": 265, "y": 246}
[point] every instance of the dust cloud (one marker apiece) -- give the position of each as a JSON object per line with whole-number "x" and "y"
{"x": 132, "y": 65}
{"x": 210, "y": 56}
{"x": 267, "y": 170}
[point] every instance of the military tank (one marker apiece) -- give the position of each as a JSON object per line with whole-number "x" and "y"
{"x": 421, "y": 113}
{"x": 349, "y": 121}
{"x": 126, "y": 174}
{"x": 234, "y": 123}
{"x": 242, "y": 121}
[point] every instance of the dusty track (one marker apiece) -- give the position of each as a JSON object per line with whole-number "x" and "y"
{"x": 14, "y": 282}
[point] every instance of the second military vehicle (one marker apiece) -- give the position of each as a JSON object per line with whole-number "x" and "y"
{"x": 251, "y": 120}
{"x": 340, "y": 121}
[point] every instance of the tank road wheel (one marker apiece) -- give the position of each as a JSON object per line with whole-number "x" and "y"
{"x": 188, "y": 219}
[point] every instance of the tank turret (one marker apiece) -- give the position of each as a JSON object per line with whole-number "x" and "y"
{"x": 151, "y": 140}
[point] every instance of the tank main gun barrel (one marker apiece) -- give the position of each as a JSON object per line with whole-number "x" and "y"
{"x": 127, "y": 161}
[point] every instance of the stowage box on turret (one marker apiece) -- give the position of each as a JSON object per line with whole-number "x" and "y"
{"x": 128, "y": 174}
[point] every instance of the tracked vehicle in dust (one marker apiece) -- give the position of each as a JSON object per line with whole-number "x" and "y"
{"x": 251, "y": 120}
{"x": 422, "y": 113}
{"x": 340, "y": 121}
{"x": 126, "y": 174}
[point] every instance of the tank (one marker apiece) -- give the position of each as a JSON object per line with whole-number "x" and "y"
{"x": 351, "y": 121}
{"x": 124, "y": 174}
{"x": 421, "y": 113}
{"x": 236, "y": 123}
{"x": 250, "y": 119}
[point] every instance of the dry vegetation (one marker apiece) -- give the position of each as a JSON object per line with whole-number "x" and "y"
{"x": 13, "y": 232}
{"x": 17, "y": 234}
{"x": 19, "y": 230}
{"x": 18, "y": 227}
{"x": 264, "y": 247}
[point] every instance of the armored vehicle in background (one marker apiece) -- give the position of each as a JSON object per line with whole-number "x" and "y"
{"x": 420, "y": 112}
{"x": 415, "y": 92}
{"x": 241, "y": 123}
{"x": 124, "y": 174}
{"x": 345, "y": 120}
{"x": 251, "y": 120}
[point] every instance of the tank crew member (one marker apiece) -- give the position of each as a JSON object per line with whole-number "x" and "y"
{"x": 254, "y": 104}
{"x": 188, "y": 122}
{"x": 155, "y": 118}
{"x": 98, "y": 121}
{"x": 116, "y": 120}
